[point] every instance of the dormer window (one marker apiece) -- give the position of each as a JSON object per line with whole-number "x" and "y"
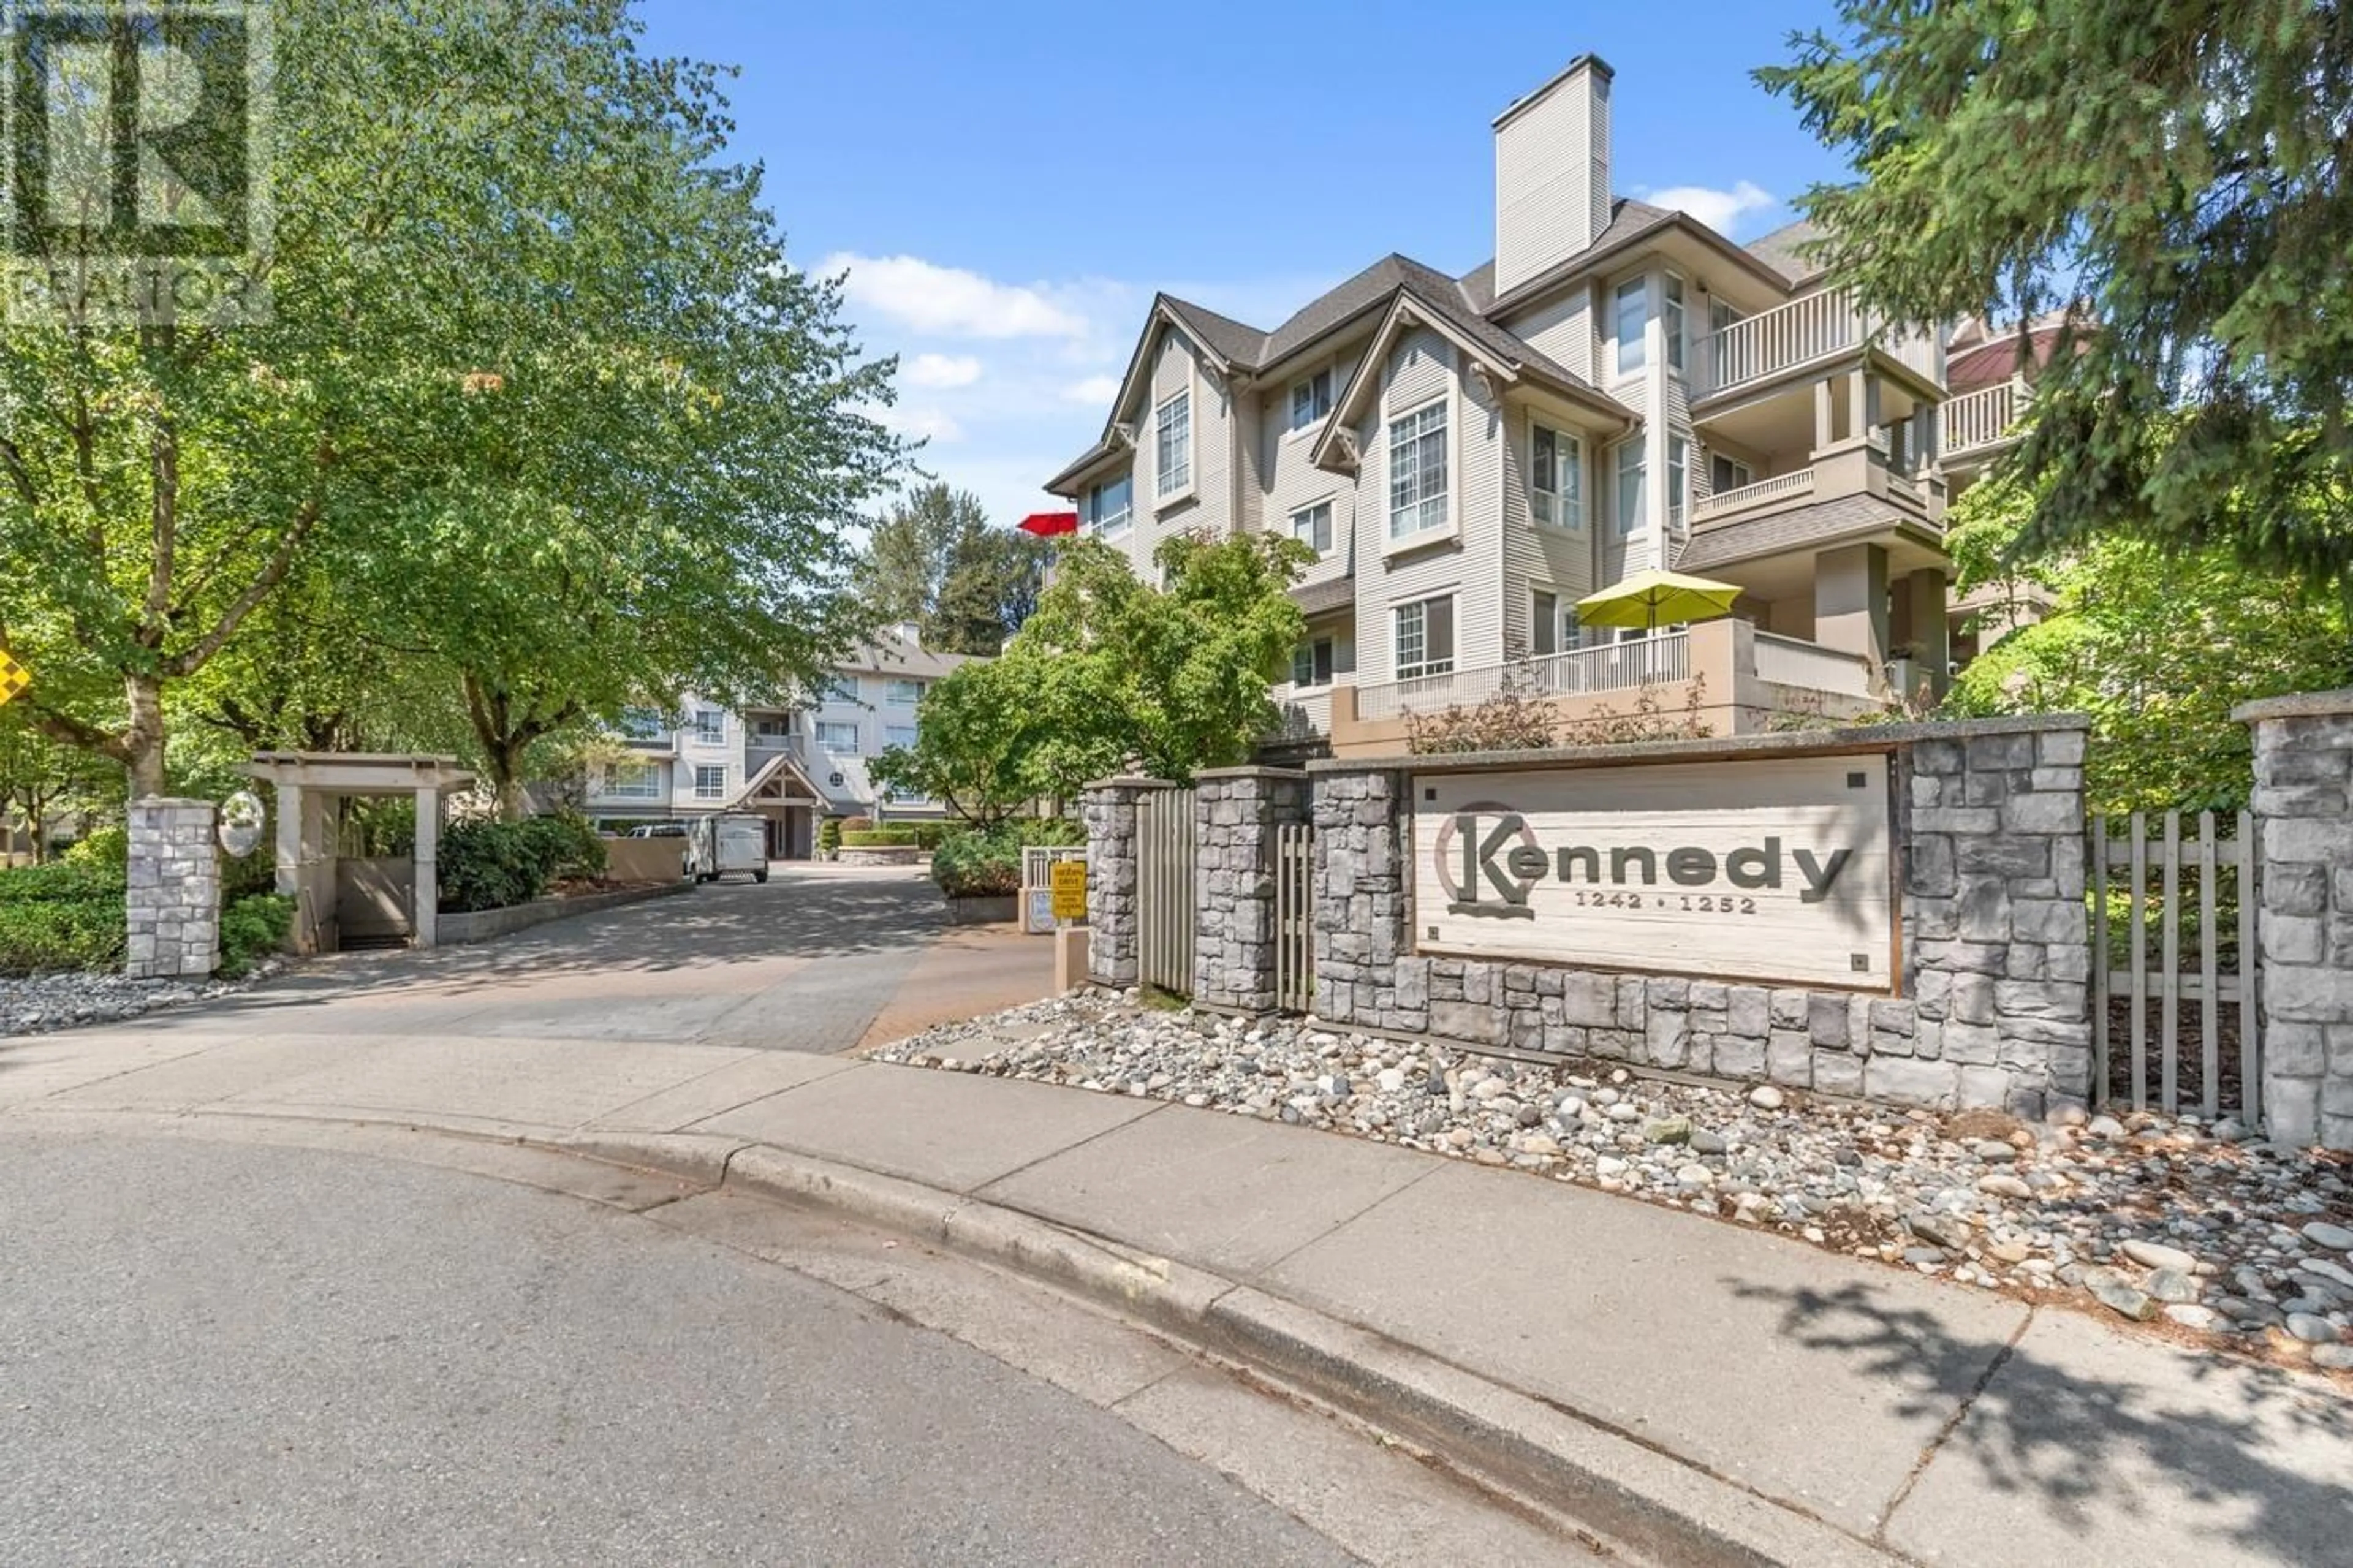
{"x": 1311, "y": 400}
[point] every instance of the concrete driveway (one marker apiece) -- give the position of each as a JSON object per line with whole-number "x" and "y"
{"x": 820, "y": 959}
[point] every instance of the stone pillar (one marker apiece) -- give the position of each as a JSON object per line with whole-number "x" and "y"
{"x": 2303, "y": 815}
{"x": 1997, "y": 938}
{"x": 424, "y": 918}
{"x": 172, "y": 905}
{"x": 1850, "y": 600}
{"x": 1360, "y": 903}
{"x": 1108, "y": 810}
{"x": 1236, "y": 812}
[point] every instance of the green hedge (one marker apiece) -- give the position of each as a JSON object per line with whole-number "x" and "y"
{"x": 979, "y": 864}
{"x": 900, "y": 836}
{"x": 490, "y": 865}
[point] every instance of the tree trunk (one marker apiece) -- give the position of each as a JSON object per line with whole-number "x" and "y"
{"x": 142, "y": 740}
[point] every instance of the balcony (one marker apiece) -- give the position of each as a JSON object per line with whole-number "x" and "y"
{"x": 1815, "y": 330}
{"x": 1718, "y": 678}
{"x": 1780, "y": 491}
{"x": 1858, "y": 467}
{"x": 1977, "y": 424}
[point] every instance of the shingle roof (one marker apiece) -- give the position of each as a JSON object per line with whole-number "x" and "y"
{"x": 1333, "y": 593}
{"x": 1780, "y": 250}
{"x": 1805, "y": 527}
{"x": 1236, "y": 342}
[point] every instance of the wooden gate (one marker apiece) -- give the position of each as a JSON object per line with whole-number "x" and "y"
{"x": 1294, "y": 923}
{"x": 1164, "y": 889}
{"x": 2200, "y": 895}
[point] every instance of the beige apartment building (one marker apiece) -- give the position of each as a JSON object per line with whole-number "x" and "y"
{"x": 1620, "y": 388}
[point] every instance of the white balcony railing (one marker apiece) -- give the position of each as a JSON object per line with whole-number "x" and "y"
{"x": 1811, "y": 666}
{"x": 1980, "y": 420}
{"x": 1792, "y": 486}
{"x": 1806, "y": 331}
{"x": 1613, "y": 667}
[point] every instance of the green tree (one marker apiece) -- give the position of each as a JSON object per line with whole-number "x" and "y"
{"x": 1111, "y": 674}
{"x": 989, "y": 589}
{"x": 2179, "y": 173}
{"x": 41, "y": 778}
{"x": 2157, "y": 644}
{"x": 909, "y": 549}
{"x": 511, "y": 288}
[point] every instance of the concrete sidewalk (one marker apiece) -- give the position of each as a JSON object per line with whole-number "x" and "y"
{"x": 1932, "y": 1422}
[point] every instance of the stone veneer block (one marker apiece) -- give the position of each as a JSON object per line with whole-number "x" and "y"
{"x": 172, "y": 898}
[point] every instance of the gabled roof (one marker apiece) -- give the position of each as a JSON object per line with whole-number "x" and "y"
{"x": 1783, "y": 250}
{"x": 1233, "y": 342}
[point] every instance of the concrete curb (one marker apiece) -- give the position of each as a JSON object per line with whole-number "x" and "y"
{"x": 459, "y": 930}
{"x": 1638, "y": 1495}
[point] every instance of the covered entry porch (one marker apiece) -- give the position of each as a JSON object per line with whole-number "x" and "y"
{"x": 383, "y": 897}
{"x": 783, "y": 793}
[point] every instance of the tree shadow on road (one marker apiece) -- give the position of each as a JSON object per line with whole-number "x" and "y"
{"x": 2262, "y": 1458}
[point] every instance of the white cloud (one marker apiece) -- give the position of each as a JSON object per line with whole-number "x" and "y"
{"x": 1094, "y": 393}
{"x": 933, "y": 424}
{"x": 925, "y": 297}
{"x": 1720, "y": 210}
{"x": 943, "y": 370}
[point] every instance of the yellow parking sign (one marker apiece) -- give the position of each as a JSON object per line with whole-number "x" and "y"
{"x": 1069, "y": 881}
{"x": 14, "y": 678}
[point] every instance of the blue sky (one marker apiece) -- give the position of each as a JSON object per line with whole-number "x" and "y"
{"x": 1007, "y": 183}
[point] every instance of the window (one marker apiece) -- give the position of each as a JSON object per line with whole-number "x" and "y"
{"x": 1678, "y": 465}
{"x": 771, "y": 727}
{"x": 1418, "y": 472}
{"x": 900, "y": 735}
{"x": 710, "y": 726}
{"x": 633, "y": 780}
{"x": 838, "y": 688}
{"x": 643, "y": 725}
{"x": 1311, "y": 400}
{"x": 1630, "y": 310}
{"x": 711, "y": 783}
{"x": 1425, "y": 637}
{"x": 1313, "y": 663}
{"x": 1544, "y": 622}
{"x": 1629, "y": 487}
{"x": 1720, "y": 315}
{"x": 1671, "y": 320}
{"x": 1173, "y": 445}
{"x": 841, "y": 739}
{"x": 1727, "y": 474}
{"x": 1108, "y": 508}
{"x": 1312, "y": 526}
{"x": 902, "y": 693}
{"x": 1557, "y": 478}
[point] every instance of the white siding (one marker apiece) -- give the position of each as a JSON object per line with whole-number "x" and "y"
{"x": 1557, "y": 559}
{"x": 1552, "y": 177}
{"x": 1562, "y": 330}
{"x": 1294, "y": 482}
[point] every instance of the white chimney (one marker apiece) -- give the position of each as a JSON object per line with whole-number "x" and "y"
{"x": 1551, "y": 172}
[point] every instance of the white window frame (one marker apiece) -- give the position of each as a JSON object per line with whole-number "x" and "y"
{"x": 1670, "y": 318}
{"x": 704, "y": 786}
{"x": 1633, "y": 355}
{"x": 1317, "y": 385}
{"x": 898, "y": 691}
{"x": 1544, "y": 622}
{"x": 1563, "y": 505}
{"x": 1635, "y": 520}
{"x": 1172, "y": 424}
{"x": 1307, "y": 514}
{"x": 902, "y": 735}
{"x": 1678, "y": 481}
{"x": 843, "y": 688}
{"x": 1741, "y": 475}
{"x": 829, "y": 730}
{"x": 1414, "y": 617}
{"x": 709, "y": 727}
{"x": 645, "y": 781}
{"x": 1105, "y": 524}
{"x": 1443, "y": 498}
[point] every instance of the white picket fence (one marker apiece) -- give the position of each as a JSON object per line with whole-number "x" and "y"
{"x": 2149, "y": 874}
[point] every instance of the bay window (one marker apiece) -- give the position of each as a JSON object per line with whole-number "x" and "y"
{"x": 1631, "y": 500}
{"x": 1670, "y": 320}
{"x": 1556, "y": 479}
{"x": 1630, "y": 317}
{"x": 1107, "y": 509}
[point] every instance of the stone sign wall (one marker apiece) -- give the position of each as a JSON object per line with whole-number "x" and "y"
{"x": 1990, "y": 1006}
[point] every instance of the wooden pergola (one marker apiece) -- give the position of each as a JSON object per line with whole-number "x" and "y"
{"x": 309, "y": 786}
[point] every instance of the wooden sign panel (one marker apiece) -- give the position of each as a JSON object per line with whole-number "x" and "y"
{"x": 1773, "y": 871}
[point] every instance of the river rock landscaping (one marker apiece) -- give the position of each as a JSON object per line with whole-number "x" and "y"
{"x": 36, "y": 1004}
{"x": 2204, "y": 1231}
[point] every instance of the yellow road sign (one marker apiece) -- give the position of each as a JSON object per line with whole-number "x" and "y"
{"x": 14, "y": 678}
{"x": 1069, "y": 881}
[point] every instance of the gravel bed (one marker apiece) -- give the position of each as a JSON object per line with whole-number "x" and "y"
{"x": 2204, "y": 1231}
{"x": 36, "y": 1004}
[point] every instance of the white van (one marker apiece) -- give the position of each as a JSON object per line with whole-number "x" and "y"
{"x": 731, "y": 841}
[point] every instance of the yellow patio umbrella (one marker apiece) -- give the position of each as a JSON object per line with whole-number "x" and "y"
{"x": 1646, "y": 598}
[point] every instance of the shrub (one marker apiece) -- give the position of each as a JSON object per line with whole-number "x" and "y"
{"x": 897, "y": 835}
{"x": 829, "y": 834}
{"x": 930, "y": 835}
{"x": 489, "y": 865}
{"x": 979, "y": 864}
{"x": 1050, "y": 832}
{"x": 65, "y": 915}
{"x": 105, "y": 846}
{"x": 566, "y": 843}
{"x": 251, "y": 929}
{"x": 856, "y": 823}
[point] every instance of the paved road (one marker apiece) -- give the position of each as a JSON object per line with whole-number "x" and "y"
{"x": 219, "y": 1352}
{"x": 818, "y": 959}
